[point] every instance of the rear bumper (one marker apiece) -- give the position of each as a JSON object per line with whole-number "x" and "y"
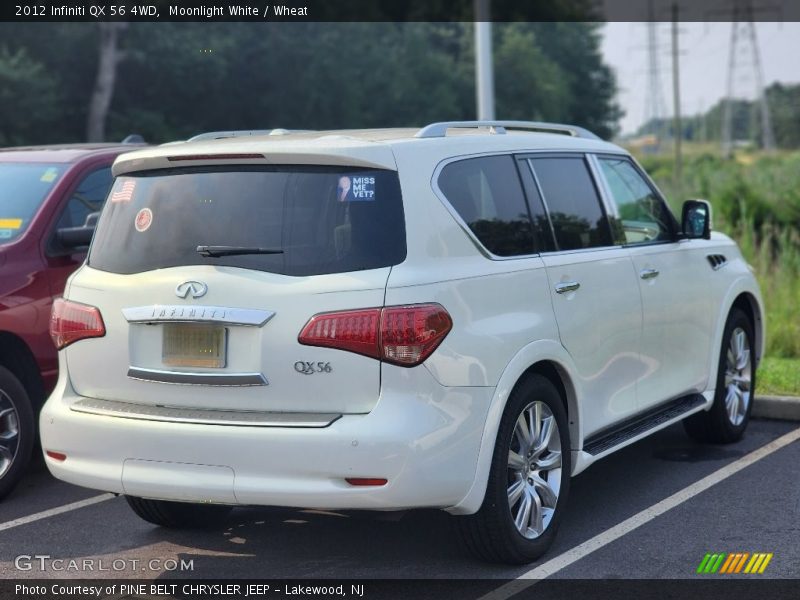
{"x": 421, "y": 437}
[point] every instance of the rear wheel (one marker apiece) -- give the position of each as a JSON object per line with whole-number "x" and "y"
{"x": 528, "y": 481}
{"x": 177, "y": 515}
{"x": 729, "y": 415}
{"x": 17, "y": 431}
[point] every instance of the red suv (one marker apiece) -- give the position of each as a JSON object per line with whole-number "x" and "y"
{"x": 50, "y": 197}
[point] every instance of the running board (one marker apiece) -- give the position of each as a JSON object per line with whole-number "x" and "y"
{"x": 605, "y": 440}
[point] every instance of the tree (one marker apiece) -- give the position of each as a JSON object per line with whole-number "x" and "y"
{"x": 185, "y": 78}
{"x": 109, "y": 58}
{"x": 28, "y": 98}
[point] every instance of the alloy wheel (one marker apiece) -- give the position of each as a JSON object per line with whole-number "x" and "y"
{"x": 9, "y": 432}
{"x": 534, "y": 469}
{"x": 738, "y": 376}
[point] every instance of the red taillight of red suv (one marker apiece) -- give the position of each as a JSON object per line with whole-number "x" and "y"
{"x": 72, "y": 321}
{"x": 401, "y": 335}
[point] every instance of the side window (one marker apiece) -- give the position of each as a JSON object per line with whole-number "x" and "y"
{"x": 642, "y": 217}
{"x": 572, "y": 203}
{"x": 487, "y": 194}
{"x": 87, "y": 198}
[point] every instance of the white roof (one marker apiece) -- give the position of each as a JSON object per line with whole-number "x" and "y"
{"x": 357, "y": 147}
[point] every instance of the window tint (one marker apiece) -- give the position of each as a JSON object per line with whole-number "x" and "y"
{"x": 641, "y": 215}
{"x": 87, "y": 198}
{"x": 572, "y": 202}
{"x": 322, "y": 219}
{"x": 486, "y": 192}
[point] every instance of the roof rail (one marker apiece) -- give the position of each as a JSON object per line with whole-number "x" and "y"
{"x": 218, "y": 135}
{"x": 435, "y": 130}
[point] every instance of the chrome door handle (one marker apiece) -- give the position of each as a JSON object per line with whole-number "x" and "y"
{"x": 648, "y": 273}
{"x": 567, "y": 286}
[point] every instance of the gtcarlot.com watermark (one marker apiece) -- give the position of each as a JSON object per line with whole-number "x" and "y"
{"x": 45, "y": 562}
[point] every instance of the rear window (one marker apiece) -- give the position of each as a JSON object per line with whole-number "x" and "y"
{"x": 319, "y": 220}
{"x": 23, "y": 188}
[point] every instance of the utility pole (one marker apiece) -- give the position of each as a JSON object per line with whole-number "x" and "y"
{"x": 484, "y": 72}
{"x": 676, "y": 98}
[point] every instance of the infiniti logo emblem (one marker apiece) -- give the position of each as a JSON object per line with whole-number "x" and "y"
{"x": 197, "y": 289}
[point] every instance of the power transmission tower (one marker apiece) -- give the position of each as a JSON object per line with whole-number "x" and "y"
{"x": 654, "y": 110}
{"x": 743, "y": 31}
{"x": 676, "y": 98}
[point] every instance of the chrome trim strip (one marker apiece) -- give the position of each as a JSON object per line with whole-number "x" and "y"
{"x": 193, "y": 378}
{"x": 202, "y": 416}
{"x": 159, "y": 313}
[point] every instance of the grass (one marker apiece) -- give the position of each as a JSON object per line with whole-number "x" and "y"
{"x": 778, "y": 377}
{"x": 756, "y": 200}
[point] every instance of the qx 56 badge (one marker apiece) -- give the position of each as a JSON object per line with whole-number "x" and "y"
{"x": 309, "y": 368}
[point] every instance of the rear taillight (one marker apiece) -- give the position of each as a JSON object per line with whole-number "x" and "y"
{"x": 401, "y": 335}
{"x": 71, "y": 321}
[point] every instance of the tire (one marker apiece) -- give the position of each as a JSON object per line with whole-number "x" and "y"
{"x": 178, "y": 515}
{"x": 491, "y": 533}
{"x": 17, "y": 431}
{"x": 729, "y": 415}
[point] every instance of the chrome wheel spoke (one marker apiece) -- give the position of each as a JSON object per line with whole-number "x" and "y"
{"x": 545, "y": 492}
{"x": 739, "y": 344}
{"x": 742, "y": 405}
{"x": 9, "y": 426}
{"x": 731, "y": 401}
{"x": 536, "y": 521}
{"x": 551, "y": 461}
{"x": 731, "y": 359}
{"x": 743, "y": 360}
{"x": 515, "y": 462}
{"x": 515, "y": 492}
{"x": 523, "y": 434}
{"x": 6, "y": 458}
{"x": 535, "y": 420}
{"x": 523, "y": 513}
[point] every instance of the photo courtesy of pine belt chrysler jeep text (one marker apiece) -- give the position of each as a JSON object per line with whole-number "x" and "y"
{"x": 458, "y": 317}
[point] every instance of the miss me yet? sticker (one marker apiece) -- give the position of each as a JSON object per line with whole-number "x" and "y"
{"x": 356, "y": 189}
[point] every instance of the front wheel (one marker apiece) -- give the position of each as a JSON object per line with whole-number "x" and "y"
{"x": 729, "y": 415}
{"x": 528, "y": 481}
{"x": 178, "y": 515}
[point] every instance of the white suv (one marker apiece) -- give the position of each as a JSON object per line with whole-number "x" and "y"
{"x": 460, "y": 317}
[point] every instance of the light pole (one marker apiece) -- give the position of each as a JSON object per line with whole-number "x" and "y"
{"x": 484, "y": 72}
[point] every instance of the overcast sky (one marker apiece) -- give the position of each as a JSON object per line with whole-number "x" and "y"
{"x": 703, "y": 63}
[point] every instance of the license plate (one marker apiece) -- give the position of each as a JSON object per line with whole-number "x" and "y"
{"x": 194, "y": 345}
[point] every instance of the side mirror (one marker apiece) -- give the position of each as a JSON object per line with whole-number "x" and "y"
{"x": 696, "y": 220}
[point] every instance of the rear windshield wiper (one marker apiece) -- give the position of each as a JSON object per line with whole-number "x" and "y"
{"x": 216, "y": 251}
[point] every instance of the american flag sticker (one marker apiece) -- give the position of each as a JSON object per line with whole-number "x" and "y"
{"x": 124, "y": 192}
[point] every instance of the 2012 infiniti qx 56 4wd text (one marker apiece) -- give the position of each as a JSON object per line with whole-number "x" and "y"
{"x": 460, "y": 317}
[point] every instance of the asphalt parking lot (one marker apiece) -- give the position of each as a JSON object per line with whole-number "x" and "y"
{"x": 755, "y": 509}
